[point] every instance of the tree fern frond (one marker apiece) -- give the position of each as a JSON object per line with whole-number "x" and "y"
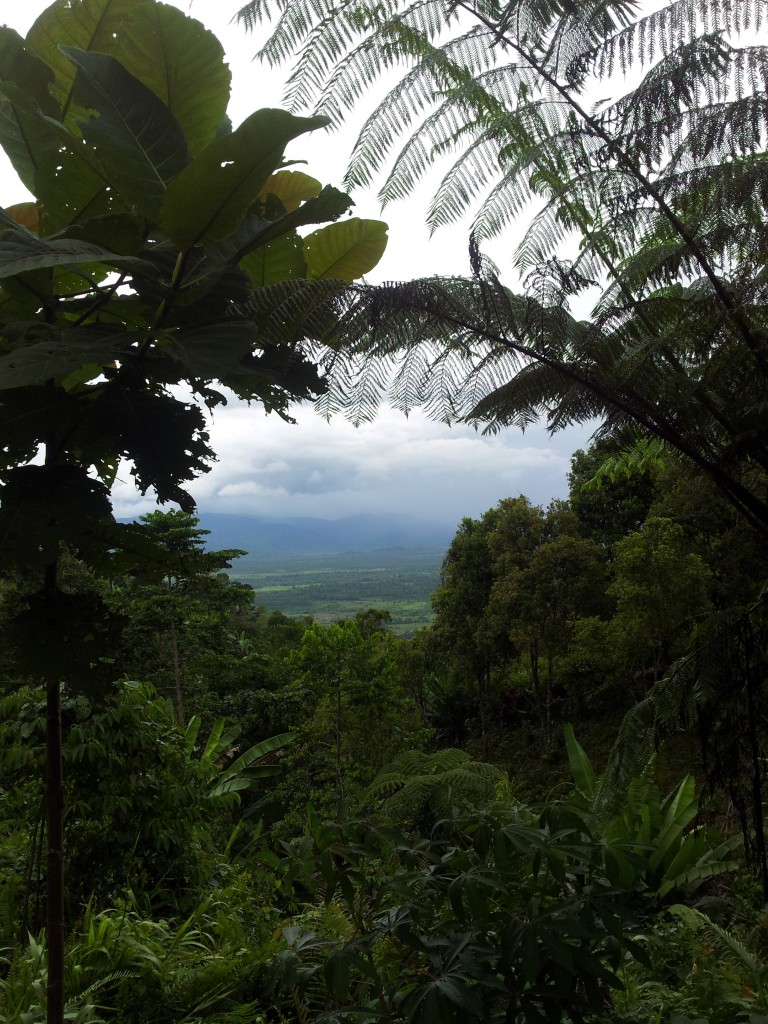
{"x": 419, "y": 91}
{"x": 292, "y": 29}
{"x": 416, "y": 785}
{"x": 659, "y": 32}
{"x": 634, "y": 746}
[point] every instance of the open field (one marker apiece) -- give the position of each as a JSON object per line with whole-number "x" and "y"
{"x": 333, "y": 587}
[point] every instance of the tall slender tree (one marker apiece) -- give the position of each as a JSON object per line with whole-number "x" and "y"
{"x": 154, "y": 222}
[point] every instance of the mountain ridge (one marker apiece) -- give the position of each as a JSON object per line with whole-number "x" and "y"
{"x": 272, "y": 536}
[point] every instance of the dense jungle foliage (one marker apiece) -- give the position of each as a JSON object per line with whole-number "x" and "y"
{"x": 211, "y": 812}
{"x": 237, "y": 847}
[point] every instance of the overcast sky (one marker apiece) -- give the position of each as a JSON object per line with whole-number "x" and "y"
{"x": 332, "y": 470}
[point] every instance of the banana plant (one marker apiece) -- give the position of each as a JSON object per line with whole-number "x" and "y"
{"x": 648, "y": 843}
{"x": 245, "y": 772}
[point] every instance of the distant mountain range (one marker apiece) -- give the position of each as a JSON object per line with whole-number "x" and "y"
{"x": 270, "y": 538}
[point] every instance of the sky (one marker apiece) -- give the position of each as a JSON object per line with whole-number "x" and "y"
{"x": 331, "y": 469}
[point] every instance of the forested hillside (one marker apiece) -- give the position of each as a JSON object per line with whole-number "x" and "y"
{"x": 260, "y": 858}
{"x": 546, "y": 807}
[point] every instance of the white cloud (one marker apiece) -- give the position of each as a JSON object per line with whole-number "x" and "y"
{"x": 315, "y": 468}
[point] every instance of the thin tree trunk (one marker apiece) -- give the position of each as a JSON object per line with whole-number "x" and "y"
{"x": 533, "y": 651}
{"x": 548, "y": 703}
{"x": 483, "y": 674}
{"x": 339, "y": 773}
{"x": 757, "y": 774}
{"x": 30, "y": 912}
{"x": 177, "y": 672}
{"x": 54, "y": 803}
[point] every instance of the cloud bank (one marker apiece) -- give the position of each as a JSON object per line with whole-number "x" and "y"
{"x": 332, "y": 470}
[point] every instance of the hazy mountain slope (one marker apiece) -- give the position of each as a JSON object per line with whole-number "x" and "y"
{"x": 268, "y": 538}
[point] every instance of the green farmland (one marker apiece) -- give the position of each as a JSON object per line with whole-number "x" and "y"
{"x": 336, "y": 587}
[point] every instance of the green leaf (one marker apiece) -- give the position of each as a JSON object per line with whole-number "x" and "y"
{"x": 69, "y": 183}
{"x": 213, "y": 745}
{"x": 337, "y": 972}
{"x": 137, "y": 139}
{"x": 78, "y": 630}
{"x": 292, "y": 188}
{"x": 689, "y": 852}
{"x": 581, "y": 767}
{"x": 213, "y": 351}
{"x": 182, "y": 63}
{"x": 26, "y": 416}
{"x": 22, "y": 131}
{"x": 21, "y": 251}
{"x": 679, "y": 809}
{"x": 328, "y": 205}
{"x": 280, "y": 260}
{"x": 191, "y": 733}
{"x": 228, "y": 779}
{"x": 165, "y": 439}
{"x": 208, "y": 200}
{"x": 346, "y": 250}
{"x": 123, "y": 233}
{"x": 254, "y": 232}
{"x": 92, "y": 25}
{"x": 41, "y": 352}
{"x": 45, "y": 506}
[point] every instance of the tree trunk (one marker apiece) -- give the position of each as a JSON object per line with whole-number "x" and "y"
{"x": 533, "y": 651}
{"x": 548, "y": 703}
{"x": 758, "y": 819}
{"x": 54, "y": 802}
{"x": 177, "y": 672}
{"x": 339, "y": 773}
{"x": 483, "y": 679}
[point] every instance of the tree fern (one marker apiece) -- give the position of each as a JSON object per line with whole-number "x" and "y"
{"x": 420, "y": 787}
{"x": 664, "y": 186}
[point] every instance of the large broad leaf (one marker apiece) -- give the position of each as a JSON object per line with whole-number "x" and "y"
{"x": 79, "y": 630}
{"x": 346, "y": 250}
{"x": 42, "y": 507}
{"x": 244, "y": 772}
{"x": 65, "y": 176}
{"x": 276, "y": 377}
{"x": 21, "y": 251}
{"x": 27, "y": 215}
{"x": 123, "y": 233}
{"x": 679, "y": 810}
{"x": 190, "y": 734}
{"x": 137, "y": 139}
{"x": 208, "y": 200}
{"x": 254, "y": 232}
{"x": 71, "y": 185}
{"x": 92, "y": 25}
{"x": 219, "y": 739}
{"x": 281, "y": 260}
{"x": 328, "y": 205}
{"x": 41, "y": 352}
{"x": 581, "y": 767}
{"x": 27, "y": 416}
{"x": 22, "y": 134}
{"x": 21, "y": 298}
{"x": 164, "y": 438}
{"x": 182, "y": 63}
{"x": 213, "y": 351}
{"x": 292, "y": 188}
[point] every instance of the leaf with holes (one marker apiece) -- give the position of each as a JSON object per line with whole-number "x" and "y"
{"x": 136, "y": 138}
